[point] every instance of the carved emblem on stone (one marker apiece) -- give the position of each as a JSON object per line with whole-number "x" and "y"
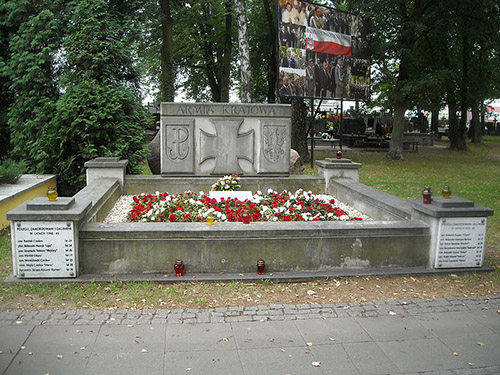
{"x": 227, "y": 145}
{"x": 177, "y": 142}
{"x": 274, "y": 142}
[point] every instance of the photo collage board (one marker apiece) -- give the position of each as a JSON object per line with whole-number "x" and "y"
{"x": 323, "y": 53}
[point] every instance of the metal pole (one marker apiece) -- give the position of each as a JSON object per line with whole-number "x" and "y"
{"x": 311, "y": 133}
{"x": 341, "y": 120}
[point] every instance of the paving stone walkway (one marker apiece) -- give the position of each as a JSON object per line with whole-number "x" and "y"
{"x": 443, "y": 336}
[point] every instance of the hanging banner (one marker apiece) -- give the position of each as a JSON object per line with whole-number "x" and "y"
{"x": 323, "y": 53}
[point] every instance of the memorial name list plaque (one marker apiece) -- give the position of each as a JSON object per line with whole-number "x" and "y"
{"x": 44, "y": 249}
{"x": 461, "y": 242}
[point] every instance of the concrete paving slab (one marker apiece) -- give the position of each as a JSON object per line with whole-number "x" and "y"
{"x": 386, "y": 328}
{"x": 296, "y": 361}
{"x": 13, "y": 337}
{"x": 192, "y": 337}
{"x": 279, "y": 334}
{"x": 421, "y": 355}
{"x": 25, "y": 364}
{"x": 135, "y": 339}
{"x": 368, "y": 358}
{"x": 481, "y": 350}
{"x": 60, "y": 340}
{"x": 490, "y": 318}
{"x": 321, "y": 331}
{"x": 5, "y": 359}
{"x": 125, "y": 363}
{"x": 208, "y": 362}
{"x": 334, "y": 359}
{"x": 452, "y": 323}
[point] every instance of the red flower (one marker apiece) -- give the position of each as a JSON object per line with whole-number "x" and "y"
{"x": 172, "y": 218}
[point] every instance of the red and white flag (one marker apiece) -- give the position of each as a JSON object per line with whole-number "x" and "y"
{"x": 325, "y": 41}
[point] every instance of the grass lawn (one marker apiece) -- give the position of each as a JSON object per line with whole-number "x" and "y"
{"x": 473, "y": 175}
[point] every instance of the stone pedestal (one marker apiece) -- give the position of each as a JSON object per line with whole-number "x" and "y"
{"x": 45, "y": 237}
{"x": 458, "y": 231}
{"x": 338, "y": 168}
{"x": 217, "y": 139}
{"x": 106, "y": 167}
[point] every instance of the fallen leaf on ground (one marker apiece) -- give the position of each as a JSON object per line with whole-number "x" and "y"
{"x": 332, "y": 339}
{"x": 471, "y": 363}
{"x": 144, "y": 350}
{"x": 272, "y": 340}
{"x": 392, "y": 313}
{"x": 309, "y": 343}
{"x": 316, "y": 364}
{"x": 481, "y": 343}
{"x": 19, "y": 321}
{"x": 60, "y": 356}
{"x": 455, "y": 354}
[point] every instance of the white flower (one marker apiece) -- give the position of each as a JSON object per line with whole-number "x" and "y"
{"x": 201, "y": 193}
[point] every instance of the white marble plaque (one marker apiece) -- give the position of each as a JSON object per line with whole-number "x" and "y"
{"x": 461, "y": 242}
{"x": 44, "y": 249}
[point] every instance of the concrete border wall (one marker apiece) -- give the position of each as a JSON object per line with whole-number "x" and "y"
{"x": 102, "y": 195}
{"x": 176, "y": 185}
{"x": 234, "y": 247}
{"x": 136, "y": 248}
{"x": 372, "y": 202}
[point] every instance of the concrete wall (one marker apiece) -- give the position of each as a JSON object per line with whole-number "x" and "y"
{"x": 236, "y": 247}
{"x": 175, "y": 185}
{"x": 372, "y": 202}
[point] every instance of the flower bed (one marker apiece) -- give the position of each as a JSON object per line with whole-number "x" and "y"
{"x": 273, "y": 206}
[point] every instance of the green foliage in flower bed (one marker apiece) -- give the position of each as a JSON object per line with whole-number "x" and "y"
{"x": 273, "y": 206}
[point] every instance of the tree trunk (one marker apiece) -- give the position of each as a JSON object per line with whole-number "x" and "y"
{"x": 453, "y": 121}
{"x": 396, "y": 145}
{"x": 272, "y": 72}
{"x": 245, "y": 68}
{"x": 299, "y": 129}
{"x": 435, "y": 121}
{"x": 483, "y": 116}
{"x": 167, "y": 76}
{"x": 460, "y": 142}
{"x": 475, "y": 124}
{"x": 226, "y": 62}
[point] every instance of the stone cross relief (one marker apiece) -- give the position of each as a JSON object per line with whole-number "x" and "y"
{"x": 227, "y": 145}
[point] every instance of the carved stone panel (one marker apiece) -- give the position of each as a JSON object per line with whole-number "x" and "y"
{"x": 274, "y": 155}
{"x": 177, "y": 145}
{"x": 227, "y": 145}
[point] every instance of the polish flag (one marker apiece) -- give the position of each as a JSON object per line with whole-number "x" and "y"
{"x": 325, "y": 41}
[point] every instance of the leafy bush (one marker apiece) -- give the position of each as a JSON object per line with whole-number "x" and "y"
{"x": 10, "y": 171}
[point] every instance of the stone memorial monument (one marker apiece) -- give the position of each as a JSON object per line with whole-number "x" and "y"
{"x": 458, "y": 231}
{"x": 217, "y": 139}
{"x": 45, "y": 237}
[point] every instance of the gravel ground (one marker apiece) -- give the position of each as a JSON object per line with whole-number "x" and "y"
{"x": 123, "y": 205}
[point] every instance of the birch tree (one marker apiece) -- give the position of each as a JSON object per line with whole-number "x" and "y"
{"x": 245, "y": 68}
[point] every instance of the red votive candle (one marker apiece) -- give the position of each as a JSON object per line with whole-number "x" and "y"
{"x": 261, "y": 267}
{"x": 339, "y": 154}
{"x": 179, "y": 268}
{"x": 245, "y": 218}
{"x": 427, "y": 194}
